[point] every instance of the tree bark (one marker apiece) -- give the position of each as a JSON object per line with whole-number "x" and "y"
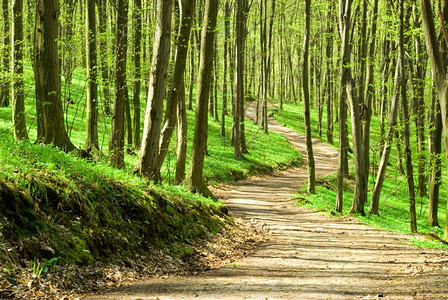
{"x": 224, "y": 69}
{"x": 116, "y": 140}
{"x": 148, "y": 164}
{"x": 18, "y": 90}
{"x": 5, "y": 73}
{"x": 102, "y": 26}
{"x": 92, "y": 87}
{"x": 306, "y": 100}
{"x": 436, "y": 162}
{"x": 136, "y": 140}
{"x": 196, "y": 183}
{"x": 347, "y": 83}
{"x": 374, "y": 204}
{"x": 51, "y": 129}
{"x": 177, "y": 81}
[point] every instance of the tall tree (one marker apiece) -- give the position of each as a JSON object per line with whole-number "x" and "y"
{"x": 5, "y": 63}
{"x": 51, "y": 129}
{"x": 18, "y": 91}
{"x": 437, "y": 53}
{"x": 92, "y": 86}
{"x": 116, "y": 139}
{"x": 347, "y": 83}
{"x": 306, "y": 100}
{"x": 103, "y": 46}
{"x": 137, "y": 72}
{"x": 177, "y": 80}
{"x": 224, "y": 68}
{"x": 406, "y": 130}
{"x": 196, "y": 181}
{"x": 435, "y": 149}
{"x": 149, "y": 151}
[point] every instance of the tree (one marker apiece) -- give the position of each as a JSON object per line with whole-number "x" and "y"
{"x": 102, "y": 25}
{"x": 5, "y": 64}
{"x": 406, "y": 130}
{"x": 116, "y": 139}
{"x": 137, "y": 72}
{"x": 437, "y": 53}
{"x": 347, "y": 83}
{"x": 148, "y": 160}
{"x": 306, "y": 100}
{"x": 196, "y": 183}
{"x": 92, "y": 86}
{"x": 50, "y": 116}
{"x": 224, "y": 69}
{"x": 18, "y": 92}
{"x": 177, "y": 81}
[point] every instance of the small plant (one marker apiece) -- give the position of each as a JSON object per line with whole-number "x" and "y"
{"x": 37, "y": 268}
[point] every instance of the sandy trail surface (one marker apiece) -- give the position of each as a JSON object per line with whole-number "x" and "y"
{"x": 308, "y": 255}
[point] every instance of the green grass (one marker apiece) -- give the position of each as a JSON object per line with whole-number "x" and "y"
{"x": 58, "y": 206}
{"x": 394, "y": 201}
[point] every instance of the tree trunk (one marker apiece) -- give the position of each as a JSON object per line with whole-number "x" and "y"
{"x": 177, "y": 82}
{"x": 181, "y": 138}
{"x": 116, "y": 140}
{"x": 328, "y": 75}
{"x": 18, "y": 90}
{"x": 196, "y": 181}
{"x": 306, "y": 100}
{"x": 92, "y": 87}
{"x": 148, "y": 161}
{"x": 224, "y": 68}
{"x": 369, "y": 92}
{"x": 436, "y": 162}
{"x": 347, "y": 83}
{"x": 406, "y": 130}
{"x": 102, "y": 26}
{"x": 374, "y": 204}
{"x": 51, "y": 129}
{"x": 137, "y": 73}
{"x": 4, "y": 71}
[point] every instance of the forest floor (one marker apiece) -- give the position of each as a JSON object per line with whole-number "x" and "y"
{"x": 306, "y": 254}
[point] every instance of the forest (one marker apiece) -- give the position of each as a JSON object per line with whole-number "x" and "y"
{"x": 122, "y": 121}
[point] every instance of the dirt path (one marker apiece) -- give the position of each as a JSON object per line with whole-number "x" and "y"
{"x": 308, "y": 255}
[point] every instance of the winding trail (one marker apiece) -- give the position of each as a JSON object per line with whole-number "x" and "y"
{"x": 308, "y": 255}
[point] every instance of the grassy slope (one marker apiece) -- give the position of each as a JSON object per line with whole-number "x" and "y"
{"x": 394, "y": 205}
{"x": 55, "y": 205}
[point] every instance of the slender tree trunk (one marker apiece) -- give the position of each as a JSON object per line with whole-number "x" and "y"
{"x": 192, "y": 76}
{"x": 374, "y": 204}
{"x": 436, "y": 162}
{"x": 347, "y": 83}
{"x": 224, "y": 69}
{"x": 18, "y": 90}
{"x": 177, "y": 82}
{"x": 328, "y": 75}
{"x": 116, "y": 140}
{"x": 92, "y": 87}
{"x": 137, "y": 73}
{"x": 306, "y": 100}
{"x": 148, "y": 161}
{"x": 103, "y": 46}
{"x": 196, "y": 181}
{"x": 181, "y": 138}
{"x": 4, "y": 70}
{"x": 406, "y": 130}
{"x": 369, "y": 92}
{"x": 418, "y": 68}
